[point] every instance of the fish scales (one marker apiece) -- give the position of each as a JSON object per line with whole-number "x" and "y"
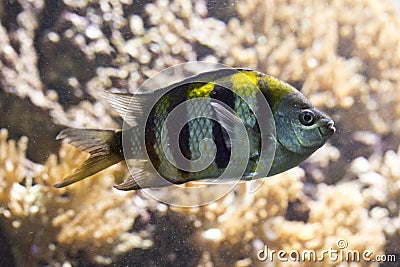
{"x": 203, "y": 128}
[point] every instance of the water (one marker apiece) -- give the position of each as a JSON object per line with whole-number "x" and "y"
{"x": 55, "y": 58}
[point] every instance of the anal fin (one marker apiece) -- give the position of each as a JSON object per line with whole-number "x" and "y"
{"x": 142, "y": 175}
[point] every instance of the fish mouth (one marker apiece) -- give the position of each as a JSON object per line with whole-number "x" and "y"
{"x": 328, "y": 129}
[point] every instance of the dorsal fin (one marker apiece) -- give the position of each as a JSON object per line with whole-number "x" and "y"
{"x": 133, "y": 108}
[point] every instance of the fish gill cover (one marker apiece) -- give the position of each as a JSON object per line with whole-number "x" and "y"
{"x": 55, "y": 58}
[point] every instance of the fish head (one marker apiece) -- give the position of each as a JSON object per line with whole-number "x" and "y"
{"x": 301, "y": 128}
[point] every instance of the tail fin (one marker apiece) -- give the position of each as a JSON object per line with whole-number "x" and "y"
{"x": 104, "y": 146}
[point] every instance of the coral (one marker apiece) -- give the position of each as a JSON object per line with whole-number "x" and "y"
{"x": 247, "y": 223}
{"x": 54, "y": 226}
{"x": 25, "y": 97}
{"x": 380, "y": 178}
{"x": 342, "y": 54}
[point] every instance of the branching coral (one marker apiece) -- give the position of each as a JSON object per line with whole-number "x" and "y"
{"x": 380, "y": 178}
{"x": 247, "y": 223}
{"x": 336, "y": 51}
{"x": 136, "y": 40}
{"x": 340, "y": 54}
{"x": 49, "y": 225}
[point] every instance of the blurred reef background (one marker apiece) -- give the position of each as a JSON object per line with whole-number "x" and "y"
{"x": 55, "y": 56}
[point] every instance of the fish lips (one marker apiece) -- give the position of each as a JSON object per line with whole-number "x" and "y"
{"x": 328, "y": 129}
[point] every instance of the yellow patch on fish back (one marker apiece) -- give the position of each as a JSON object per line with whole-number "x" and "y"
{"x": 245, "y": 76}
{"x": 244, "y": 83}
{"x": 202, "y": 91}
{"x": 277, "y": 89}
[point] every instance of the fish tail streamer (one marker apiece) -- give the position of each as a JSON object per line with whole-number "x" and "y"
{"x": 104, "y": 147}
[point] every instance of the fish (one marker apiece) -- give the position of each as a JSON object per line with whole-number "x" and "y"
{"x": 227, "y": 118}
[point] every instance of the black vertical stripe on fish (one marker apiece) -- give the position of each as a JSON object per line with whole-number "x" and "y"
{"x": 150, "y": 140}
{"x": 262, "y": 84}
{"x": 220, "y": 135}
{"x": 175, "y": 130}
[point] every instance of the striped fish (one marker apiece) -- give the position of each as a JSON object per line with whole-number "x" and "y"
{"x": 229, "y": 123}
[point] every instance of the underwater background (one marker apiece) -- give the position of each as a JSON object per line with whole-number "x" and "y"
{"x": 55, "y": 56}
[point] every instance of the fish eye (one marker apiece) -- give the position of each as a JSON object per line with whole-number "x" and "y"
{"x": 307, "y": 117}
